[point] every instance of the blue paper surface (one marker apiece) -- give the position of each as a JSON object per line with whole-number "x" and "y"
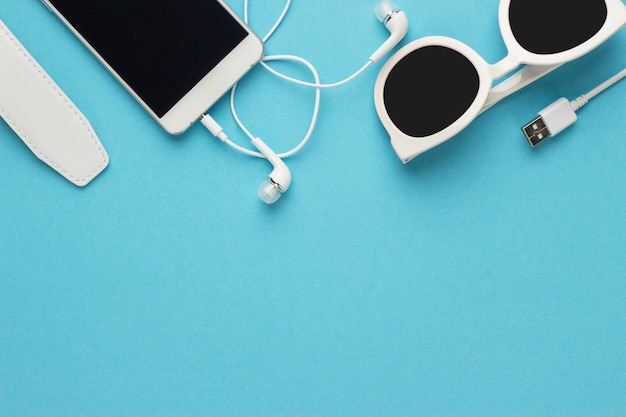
{"x": 485, "y": 278}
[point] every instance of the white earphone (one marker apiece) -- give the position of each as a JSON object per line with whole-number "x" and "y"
{"x": 279, "y": 180}
{"x": 395, "y": 21}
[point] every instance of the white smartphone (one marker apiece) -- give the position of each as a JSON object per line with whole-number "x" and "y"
{"x": 176, "y": 57}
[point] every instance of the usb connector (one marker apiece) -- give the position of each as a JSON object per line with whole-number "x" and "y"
{"x": 550, "y": 121}
{"x": 536, "y": 131}
{"x": 562, "y": 113}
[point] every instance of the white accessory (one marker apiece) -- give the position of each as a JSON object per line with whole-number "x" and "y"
{"x": 561, "y": 114}
{"x": 279, "y": 179}
{"x": 396, "y": 22}
{"x": 44, "y": 118}
{"x": 434, "y": 87}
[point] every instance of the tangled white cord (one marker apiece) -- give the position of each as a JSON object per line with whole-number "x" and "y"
{"x": 317, "y": 85}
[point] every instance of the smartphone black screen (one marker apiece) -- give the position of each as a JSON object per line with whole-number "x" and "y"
{"x": 160, "y": 48}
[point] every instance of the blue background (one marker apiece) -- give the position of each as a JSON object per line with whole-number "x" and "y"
{"x": 485, "y": 278}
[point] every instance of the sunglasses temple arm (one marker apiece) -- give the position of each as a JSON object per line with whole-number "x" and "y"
{"x": 517, "y": 81}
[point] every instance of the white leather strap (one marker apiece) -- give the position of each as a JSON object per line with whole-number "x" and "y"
{"x": 44, "y": 117}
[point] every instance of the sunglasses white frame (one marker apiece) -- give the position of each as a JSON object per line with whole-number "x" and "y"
{"x": 534, "y": 66}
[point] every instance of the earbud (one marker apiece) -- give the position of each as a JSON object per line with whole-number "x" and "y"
{"x": 395, "y": 21}
{"x": 279, "y": 179}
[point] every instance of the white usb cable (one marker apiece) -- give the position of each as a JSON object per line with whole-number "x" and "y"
{"x": 562, "y": 113}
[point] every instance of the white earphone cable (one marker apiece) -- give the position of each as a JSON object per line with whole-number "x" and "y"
{"x": 278, "y": 22}
{"x": 246, "y": 14}
{"x": 317, "y": 85}
{"x": 312, "y": 124}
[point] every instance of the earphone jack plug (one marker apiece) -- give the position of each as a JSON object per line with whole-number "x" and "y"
{"x": 213, "y": 127}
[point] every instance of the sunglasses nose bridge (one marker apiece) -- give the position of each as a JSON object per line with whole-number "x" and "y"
{"x": 504, "y": 67}
{"x": 525, "y": 76}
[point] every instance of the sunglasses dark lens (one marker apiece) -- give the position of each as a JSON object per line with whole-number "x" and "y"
{"x": 429, "y": 89}
{"x": 552, "y": 26}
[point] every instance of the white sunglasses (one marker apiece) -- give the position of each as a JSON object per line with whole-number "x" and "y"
{"x": 434, "y": 87}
